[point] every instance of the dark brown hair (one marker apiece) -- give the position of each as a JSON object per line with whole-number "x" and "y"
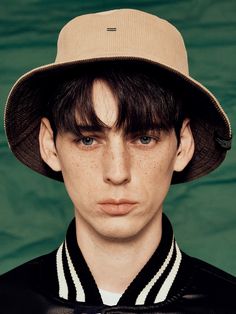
{"x": 146, "y": 98}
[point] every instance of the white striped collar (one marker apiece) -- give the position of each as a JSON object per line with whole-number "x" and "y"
{"x": 153, "y": 284}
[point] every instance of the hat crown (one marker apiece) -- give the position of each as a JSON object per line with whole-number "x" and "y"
{"x": 122, "y": 33}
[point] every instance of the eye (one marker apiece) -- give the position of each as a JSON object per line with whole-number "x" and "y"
{"x": 87, "y": 140}
{"x": 145, "y": 139}
{"x": 84, "y": 141}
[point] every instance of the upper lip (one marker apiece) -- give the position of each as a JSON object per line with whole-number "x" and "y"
{"x": 117, "y": 202}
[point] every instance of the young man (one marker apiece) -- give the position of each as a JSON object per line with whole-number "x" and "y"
{"x": 118, "y": 119}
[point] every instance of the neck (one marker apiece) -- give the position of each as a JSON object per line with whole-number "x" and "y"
{"x": 114, "y": 264}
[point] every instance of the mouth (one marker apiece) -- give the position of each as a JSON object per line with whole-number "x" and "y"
{"x": 117, "y": 207}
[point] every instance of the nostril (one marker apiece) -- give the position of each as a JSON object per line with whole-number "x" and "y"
{"x": 117, "y": 179}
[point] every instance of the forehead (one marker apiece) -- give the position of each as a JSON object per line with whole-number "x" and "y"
{"x": 105, "y": 103}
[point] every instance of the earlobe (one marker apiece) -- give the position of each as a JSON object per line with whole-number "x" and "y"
{"x": 186, "y": 147}
{"x": 47, "y": 146}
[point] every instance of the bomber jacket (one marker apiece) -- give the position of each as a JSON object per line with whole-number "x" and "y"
{"x": 171, "y": 282}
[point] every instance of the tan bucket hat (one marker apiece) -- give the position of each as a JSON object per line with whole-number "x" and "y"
{"x": 124, "y": 34}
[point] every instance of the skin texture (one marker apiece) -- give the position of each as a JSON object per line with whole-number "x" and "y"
{"x": 112, "y": 165}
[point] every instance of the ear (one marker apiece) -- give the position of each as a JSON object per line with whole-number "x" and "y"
{"x": 186, "y": 147}
{"x": 47, "y": 145}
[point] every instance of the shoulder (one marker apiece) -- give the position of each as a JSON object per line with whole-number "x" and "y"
{"x": 210, "y": 275}
{"x": 27, "y": 288}
{"x": 211, "y": 285}
{"x": 28, "y": 274}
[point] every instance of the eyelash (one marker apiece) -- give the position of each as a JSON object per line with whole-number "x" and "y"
{"x": 155, "y": 138}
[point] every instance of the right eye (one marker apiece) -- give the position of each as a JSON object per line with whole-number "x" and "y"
{"x": 87, "y": 140}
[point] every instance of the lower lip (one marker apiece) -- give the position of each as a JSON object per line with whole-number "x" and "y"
{"x": 117, "y": 210}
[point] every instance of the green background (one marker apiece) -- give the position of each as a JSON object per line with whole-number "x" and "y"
{"x": 35, "y": 211}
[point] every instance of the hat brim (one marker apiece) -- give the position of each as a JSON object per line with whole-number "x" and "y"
{"x": 209, "y": 124}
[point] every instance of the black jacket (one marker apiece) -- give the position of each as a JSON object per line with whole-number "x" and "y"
{"x": 171, "y": 282}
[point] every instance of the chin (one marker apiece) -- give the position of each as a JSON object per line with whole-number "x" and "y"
{"x": 117, "y": 231}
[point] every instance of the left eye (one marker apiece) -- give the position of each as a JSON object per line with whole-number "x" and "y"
{"x": 145, "y": 139}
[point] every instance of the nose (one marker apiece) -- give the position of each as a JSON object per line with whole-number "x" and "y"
{"x": 116, "y": 164}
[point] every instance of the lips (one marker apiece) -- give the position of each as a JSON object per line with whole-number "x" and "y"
{"x": 117, "y": 207}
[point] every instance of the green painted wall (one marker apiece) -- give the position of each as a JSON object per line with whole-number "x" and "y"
{"x": 35, "y": 211}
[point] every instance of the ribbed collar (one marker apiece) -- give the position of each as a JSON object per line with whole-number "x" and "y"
{"x": 153, "y": 284}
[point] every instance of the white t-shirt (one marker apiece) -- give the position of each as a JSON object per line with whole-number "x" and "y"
{"x": 110, "y": 298}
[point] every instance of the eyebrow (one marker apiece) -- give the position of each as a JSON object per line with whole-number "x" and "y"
{"x": 93, "y": 128}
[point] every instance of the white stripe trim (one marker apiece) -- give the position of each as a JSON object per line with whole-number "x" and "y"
{"x": 144, "y": 293}
{"x": 80, "y": 295}
{"x": 163, "y": 292}
{"x": 63, "y": 288}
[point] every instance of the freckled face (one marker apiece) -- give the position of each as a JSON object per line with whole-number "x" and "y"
{"x": 111, "y": 165}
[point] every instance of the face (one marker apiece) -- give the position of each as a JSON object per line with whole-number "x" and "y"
{"x": 116, "y": 182}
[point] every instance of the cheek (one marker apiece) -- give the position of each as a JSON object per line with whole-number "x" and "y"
{"x": 81, "y": 177}
{"x": 154, "y": 175}
{"x": 159, "y": 166}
